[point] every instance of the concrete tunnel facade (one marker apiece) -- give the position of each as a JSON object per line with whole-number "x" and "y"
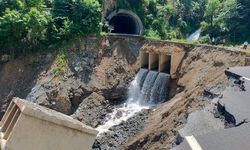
{"x": 125, "y": 22}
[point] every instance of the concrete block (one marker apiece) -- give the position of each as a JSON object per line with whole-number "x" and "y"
{"x": 28, "y": 126}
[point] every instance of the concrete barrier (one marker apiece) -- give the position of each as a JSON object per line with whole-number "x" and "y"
{"x": 28, "y": 126}
{"x": 144, "y": 60}
{"x": 165, "y": 63}
{"x": 153, "y": 61}
{"x": 157, "y": 62}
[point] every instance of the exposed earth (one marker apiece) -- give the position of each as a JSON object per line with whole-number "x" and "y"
{"x": 89, "y": 89}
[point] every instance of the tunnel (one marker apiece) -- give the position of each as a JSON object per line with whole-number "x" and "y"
{"x": 125, "y": 22}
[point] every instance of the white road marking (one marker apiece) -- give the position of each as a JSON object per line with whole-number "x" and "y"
{"x": 193, "y": 143}
{"x": 246, "y": 78}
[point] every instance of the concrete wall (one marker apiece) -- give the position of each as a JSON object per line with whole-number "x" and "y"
{"x": 157, "y": 62}
{"x": 27, "y": 126}
{"x": 165, "y": 63}
{"x": 144, "y": 60}
{"x": 153, "y": 61}
{"x": 34, "y": 134}
{"x": 153, "y": 54}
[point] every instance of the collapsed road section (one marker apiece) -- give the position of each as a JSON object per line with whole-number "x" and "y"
{"x": 233, "y": 106}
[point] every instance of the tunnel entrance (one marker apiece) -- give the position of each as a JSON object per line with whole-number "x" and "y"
{"x": 125, "y": 22}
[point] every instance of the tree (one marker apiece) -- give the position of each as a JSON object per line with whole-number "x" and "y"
{"x": 212, "y": 10}
{"x": 82, "y": 16}
{"x": 36, "y": 23}
{"x": 12, "y": 30}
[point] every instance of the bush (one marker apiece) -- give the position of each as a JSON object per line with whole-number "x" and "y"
{"x": 205, "y": 39}
{"x": 12, "y": 29}
{"x": 35, "y": 24}
{"x": 60, "y": 62}
{"x": 80, "y": 17}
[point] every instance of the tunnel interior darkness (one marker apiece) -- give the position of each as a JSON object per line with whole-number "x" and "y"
{"x": 125, "y": 24}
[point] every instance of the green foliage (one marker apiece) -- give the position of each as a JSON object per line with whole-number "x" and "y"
{"x": 212, "y": 10}
{"x": 26, "y": 25}
{"x": 152, "y": 33}
{"x": 137, "y": 6}
{"x": 86, "y": 17}
{"x": 205, "y": 39}
{"x": 61, "y": 62}
{"x": 12, "y": 28}
{"x": 36, "y": 26}
{"x": 176, "y": 19}
{"x": 79, "y": 17}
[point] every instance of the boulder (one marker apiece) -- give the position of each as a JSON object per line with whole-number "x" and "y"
{"x": 92, "y": 110}
{"x": 56, "y": 99}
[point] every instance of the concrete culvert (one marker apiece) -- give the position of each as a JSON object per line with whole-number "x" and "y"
{"x": 125, "y": 22}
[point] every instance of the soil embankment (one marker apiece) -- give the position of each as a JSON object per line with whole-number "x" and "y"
{"x": 89, "y": 89}
{"x": 201, "y": 68}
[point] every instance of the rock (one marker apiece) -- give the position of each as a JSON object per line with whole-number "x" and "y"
{"x": 78, "y": 69}
{"x": 92, "y": 110}
{"x": 5, "y": 58}
{"x": 56, "y": 99}
{"x": 118, "y": 114}
{"x": 115, "y": 93}
{"x": 78, "y": 94}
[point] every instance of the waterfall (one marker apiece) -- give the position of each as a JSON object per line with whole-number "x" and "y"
{"x": 159, "y": 92}
{"x": 148, "y": 88}
{"x": 136, "y": 85}
{"x": 194, "y": 36}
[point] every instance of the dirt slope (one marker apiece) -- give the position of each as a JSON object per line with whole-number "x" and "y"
{"x": 32, "y": 77}
{"x": 202, "y": 67}
{"x": 18, "y": 76}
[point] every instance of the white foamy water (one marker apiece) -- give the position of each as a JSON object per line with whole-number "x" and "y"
{"x": 130, "y": 108}
{"x": 119, "y": 115}
{"x": 138, "y": 98}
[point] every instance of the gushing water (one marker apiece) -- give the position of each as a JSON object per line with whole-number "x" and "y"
{"x": 119, "y": 115}
{"x": 135, "y": 87}
{"x": 148, "y": 88}
{"x": 159, "y": 92}
{"x": 195, "y": 36}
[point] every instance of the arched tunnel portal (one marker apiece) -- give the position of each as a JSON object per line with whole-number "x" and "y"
{"x": 125, "y": 22}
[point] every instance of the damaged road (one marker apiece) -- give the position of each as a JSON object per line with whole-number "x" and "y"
{"x": 232, "y": 107}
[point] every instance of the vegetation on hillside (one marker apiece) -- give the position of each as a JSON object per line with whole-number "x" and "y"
{"x": 27, "y": 25}
{"x": 176, "y": 19}
{"x": 30, "y": 25}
